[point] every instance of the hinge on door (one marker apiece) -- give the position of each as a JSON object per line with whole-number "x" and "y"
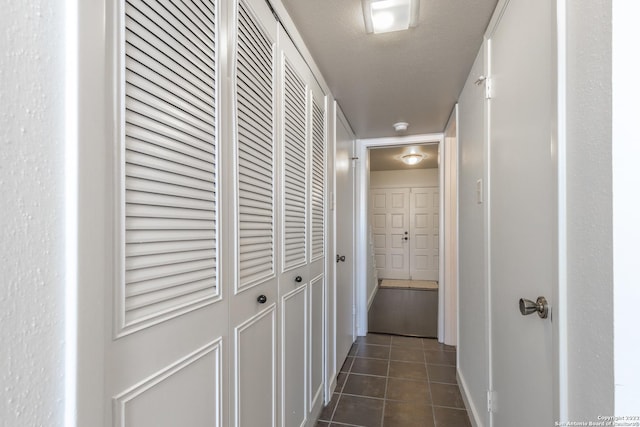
{"x": 490, "y": 400}
{"x": 487, "y": 88}
{"x": 487, "y": 85}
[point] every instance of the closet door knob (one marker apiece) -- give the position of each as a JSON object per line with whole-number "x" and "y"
{"x": 298, "y": 279}
{"x": 262, "y": 299}
{"x": 540, "y": 306}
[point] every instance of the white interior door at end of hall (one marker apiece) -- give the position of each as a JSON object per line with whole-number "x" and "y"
{"x": 344, "y": 211}
{"x": 167, "y": 323}
{"x": 523, "y": 212}
{"x": 424, "y": 234}
{"x": 253, "y": 303}
{"x": 390, "y": 220}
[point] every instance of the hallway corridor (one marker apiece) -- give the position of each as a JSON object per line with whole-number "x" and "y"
{"x": 396, "y": 381}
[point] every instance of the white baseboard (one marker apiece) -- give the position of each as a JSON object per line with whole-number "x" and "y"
{"x": 474, "y": 415}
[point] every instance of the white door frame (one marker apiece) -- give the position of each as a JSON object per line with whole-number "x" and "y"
{"x": 361, "y": 212}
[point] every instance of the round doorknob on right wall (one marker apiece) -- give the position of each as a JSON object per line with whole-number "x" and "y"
{"x": 262, "y": 299}
{"x": 540, "y": 306}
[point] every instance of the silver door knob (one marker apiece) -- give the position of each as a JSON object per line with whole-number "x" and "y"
{"x": 540, "y": 306}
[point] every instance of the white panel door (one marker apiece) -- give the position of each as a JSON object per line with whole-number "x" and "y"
{"x": 294, "y": 277}
{"x": 317, "y": 203}
{"x": 167, "y": 317}
{"x": 344, "y": 211}
{"x": 253, "y": 309}
{"x": 301, "y": 281}
{"x": 523, "y": 221}
{"x": 423, "y": 237}
{"x": 390, "y": 220}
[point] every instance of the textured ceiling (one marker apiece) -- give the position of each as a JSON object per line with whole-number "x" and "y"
{"x": 387, "y": 159}
{"x": 379, "y": 79}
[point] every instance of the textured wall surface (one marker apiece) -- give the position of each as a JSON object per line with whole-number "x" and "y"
{"x": 589, "y": 210}
{"x": 32, "y": 212}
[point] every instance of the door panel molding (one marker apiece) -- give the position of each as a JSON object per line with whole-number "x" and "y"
{"x": 250, "y": 400}
{"x": 293, "y": 368}
{"x": 124, "y": 402}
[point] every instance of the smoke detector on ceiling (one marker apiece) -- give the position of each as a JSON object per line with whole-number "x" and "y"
{"x": 401, "y": 126}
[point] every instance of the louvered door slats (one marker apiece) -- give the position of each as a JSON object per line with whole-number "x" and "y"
{"x": 203, "y": 14}
{"x": 154, "y": 158}
{"x": 201, "y": 29}
{"x": 256, "y": 137}
{"x": 142, "y": 185}
{"x": 160, "y": 25}
{"x": 162, "y": 88}
{"x": 167, "y": 282}
{"x": 168, "y": 247}
{"x": 186, "y": 290}
{"x": 134, "y": 197}
{"x": 146, "y": 236}
{"x": 256, "y": 75}
{"x": 255, "y": 151}
{"x": 151, "y": 124}
{"x": 142, "y": 275}
{"x": 252, "y": 38}
{"x": 143, "y": 140}
{"x": 249, "y": 100}
{"x": 170, "y": 215}
{"x": 295, "y": 166}
{"x": 317, "y": 181}
{"x": 176, "y": 14}
{"x": 153, "y": 173}
{"x": 165, "y": 64}
{"x": 146, "y": 261}
{"x": 167, "y": 114}
{"x": 147, "y": 211}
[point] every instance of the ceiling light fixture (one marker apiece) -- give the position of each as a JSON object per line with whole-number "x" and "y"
{"x": 412, "y": 158}
{"x": 400, "y": 126}
{"x": 383, "y": 16}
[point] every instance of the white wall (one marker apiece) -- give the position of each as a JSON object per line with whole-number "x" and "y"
{"x": 32, "y": 212}
{"x": 472, "y": 286}
{"x": 626, "y": 209}
{"x": 589, "y": 210}
{"x": 404, "y": 178}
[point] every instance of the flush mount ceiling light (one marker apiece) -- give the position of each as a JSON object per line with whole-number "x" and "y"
{"x": 400, "y": 126}
{"x": 412, "y": 158}
{"x": 384, "y": 16}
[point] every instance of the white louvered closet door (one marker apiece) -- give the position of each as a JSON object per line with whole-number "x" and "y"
{"x": 165, "y": 361}
{"x": 254, "y": 300}
{"x": 301, "y": 282}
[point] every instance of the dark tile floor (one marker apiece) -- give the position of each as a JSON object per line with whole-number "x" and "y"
{"x": 395, "y": 381}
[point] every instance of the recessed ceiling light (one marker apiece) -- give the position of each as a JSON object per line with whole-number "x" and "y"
{"x": 383, "y": 16}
